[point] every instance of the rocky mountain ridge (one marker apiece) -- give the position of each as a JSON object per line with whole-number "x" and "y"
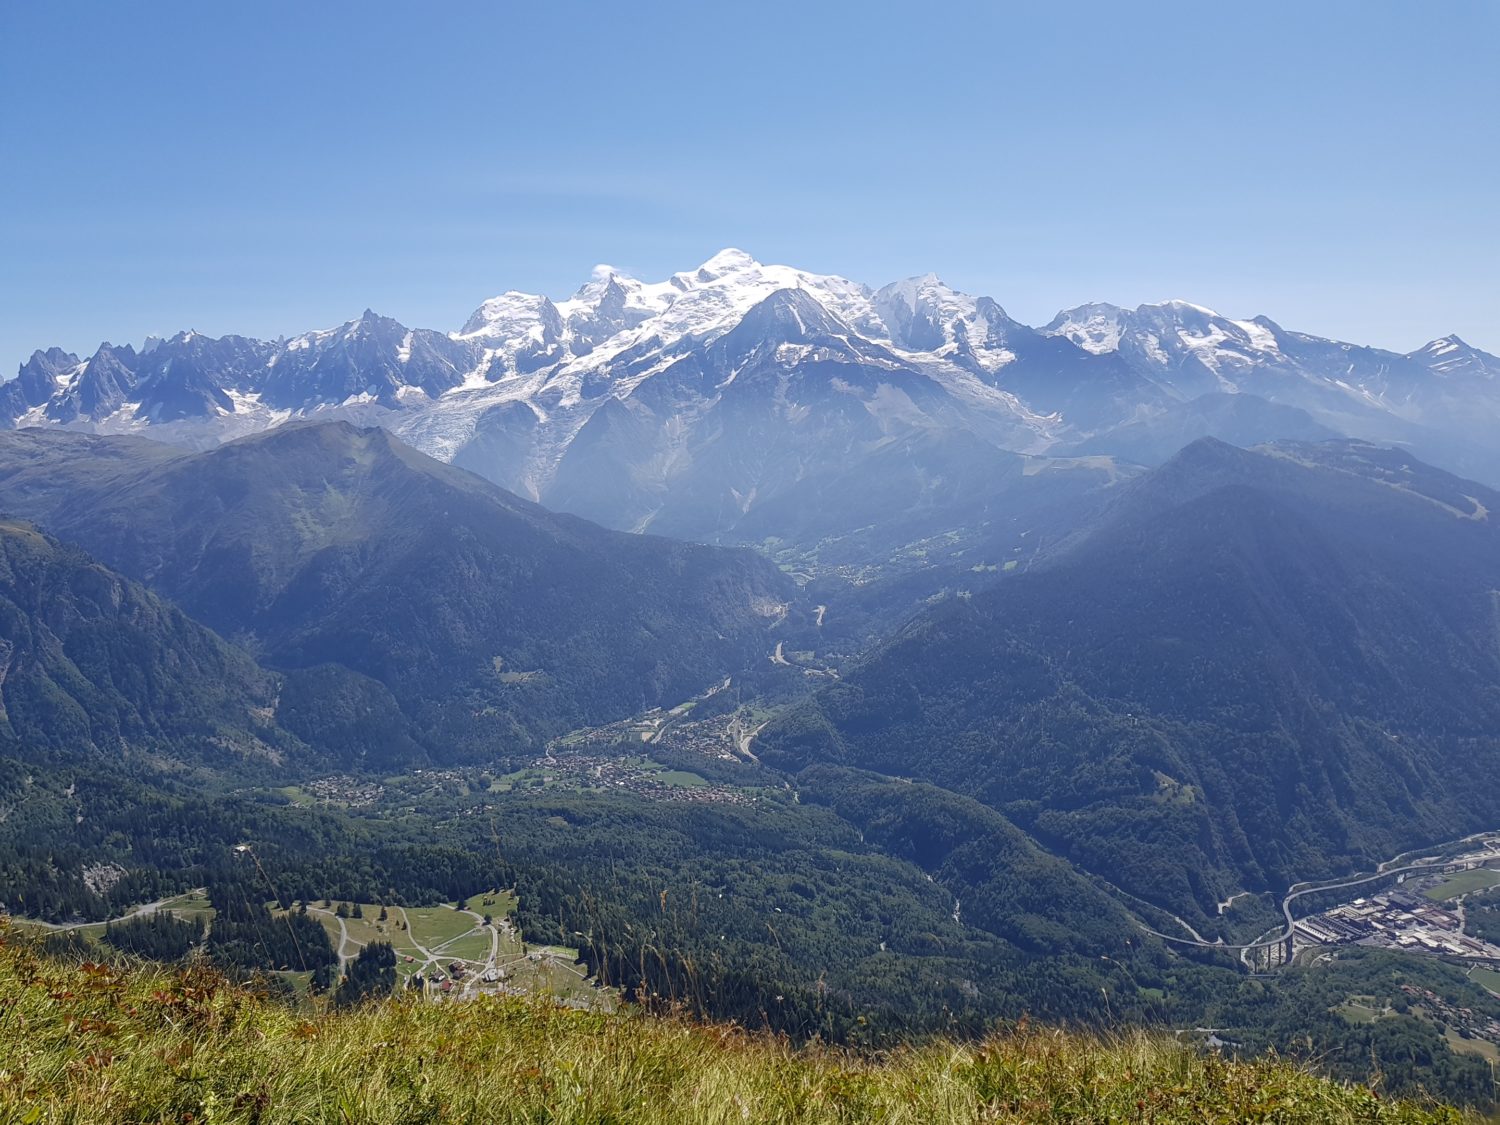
{"x": 683, "y": 405}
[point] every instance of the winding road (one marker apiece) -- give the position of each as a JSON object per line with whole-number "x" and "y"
{"x": 1297, "y": 891}
{"x": 134, "y": 912}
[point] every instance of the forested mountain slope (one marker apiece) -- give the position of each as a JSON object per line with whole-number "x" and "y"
{"x": 92, "y": 664}
{"x": 488, "y": 616}
{"x": 1256, "y": 667}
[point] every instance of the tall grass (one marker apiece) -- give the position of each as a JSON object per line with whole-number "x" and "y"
{"x": 100, "y": 1043}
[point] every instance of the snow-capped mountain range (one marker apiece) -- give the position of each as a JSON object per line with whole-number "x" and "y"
{"x": 687, "y": 405}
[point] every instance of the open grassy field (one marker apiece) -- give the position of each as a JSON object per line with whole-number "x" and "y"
{"x": 361, "y": 931}
{"x": 1480, "y": 1047}
{"x": 559, "y": 979}
{"x": 1360, "y": 1009}
{"x": 1486, "y": 978}
{"x": 431, "y": 926}
{"x": 107, "y": 1044}
{"x": 500, "y": 904}
{"x": 410, "y": 930}
{"x": 92, "y": 932}
{"x": 472, "y": 946}
{"x": 427, "y": 939}
{"x": 191, "y": 906}
{"x": 1465, "y": 882}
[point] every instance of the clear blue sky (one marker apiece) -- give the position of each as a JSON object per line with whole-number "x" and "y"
{"x": 272, "y": 167}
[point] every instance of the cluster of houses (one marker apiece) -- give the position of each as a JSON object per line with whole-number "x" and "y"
{"x": 631, "y": 775}
{"x": 710, "y": 738}
{"x": 344, "y": 790}
{"x": 1462, "y": 1019}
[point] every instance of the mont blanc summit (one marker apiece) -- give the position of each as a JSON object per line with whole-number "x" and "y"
{"x": 683, "y": 405}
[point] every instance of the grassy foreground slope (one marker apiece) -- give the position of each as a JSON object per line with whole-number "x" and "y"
{"x": 94, "y": 1043}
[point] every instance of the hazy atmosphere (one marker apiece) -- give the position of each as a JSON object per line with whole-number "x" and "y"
{"x": 812, "y": 563}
